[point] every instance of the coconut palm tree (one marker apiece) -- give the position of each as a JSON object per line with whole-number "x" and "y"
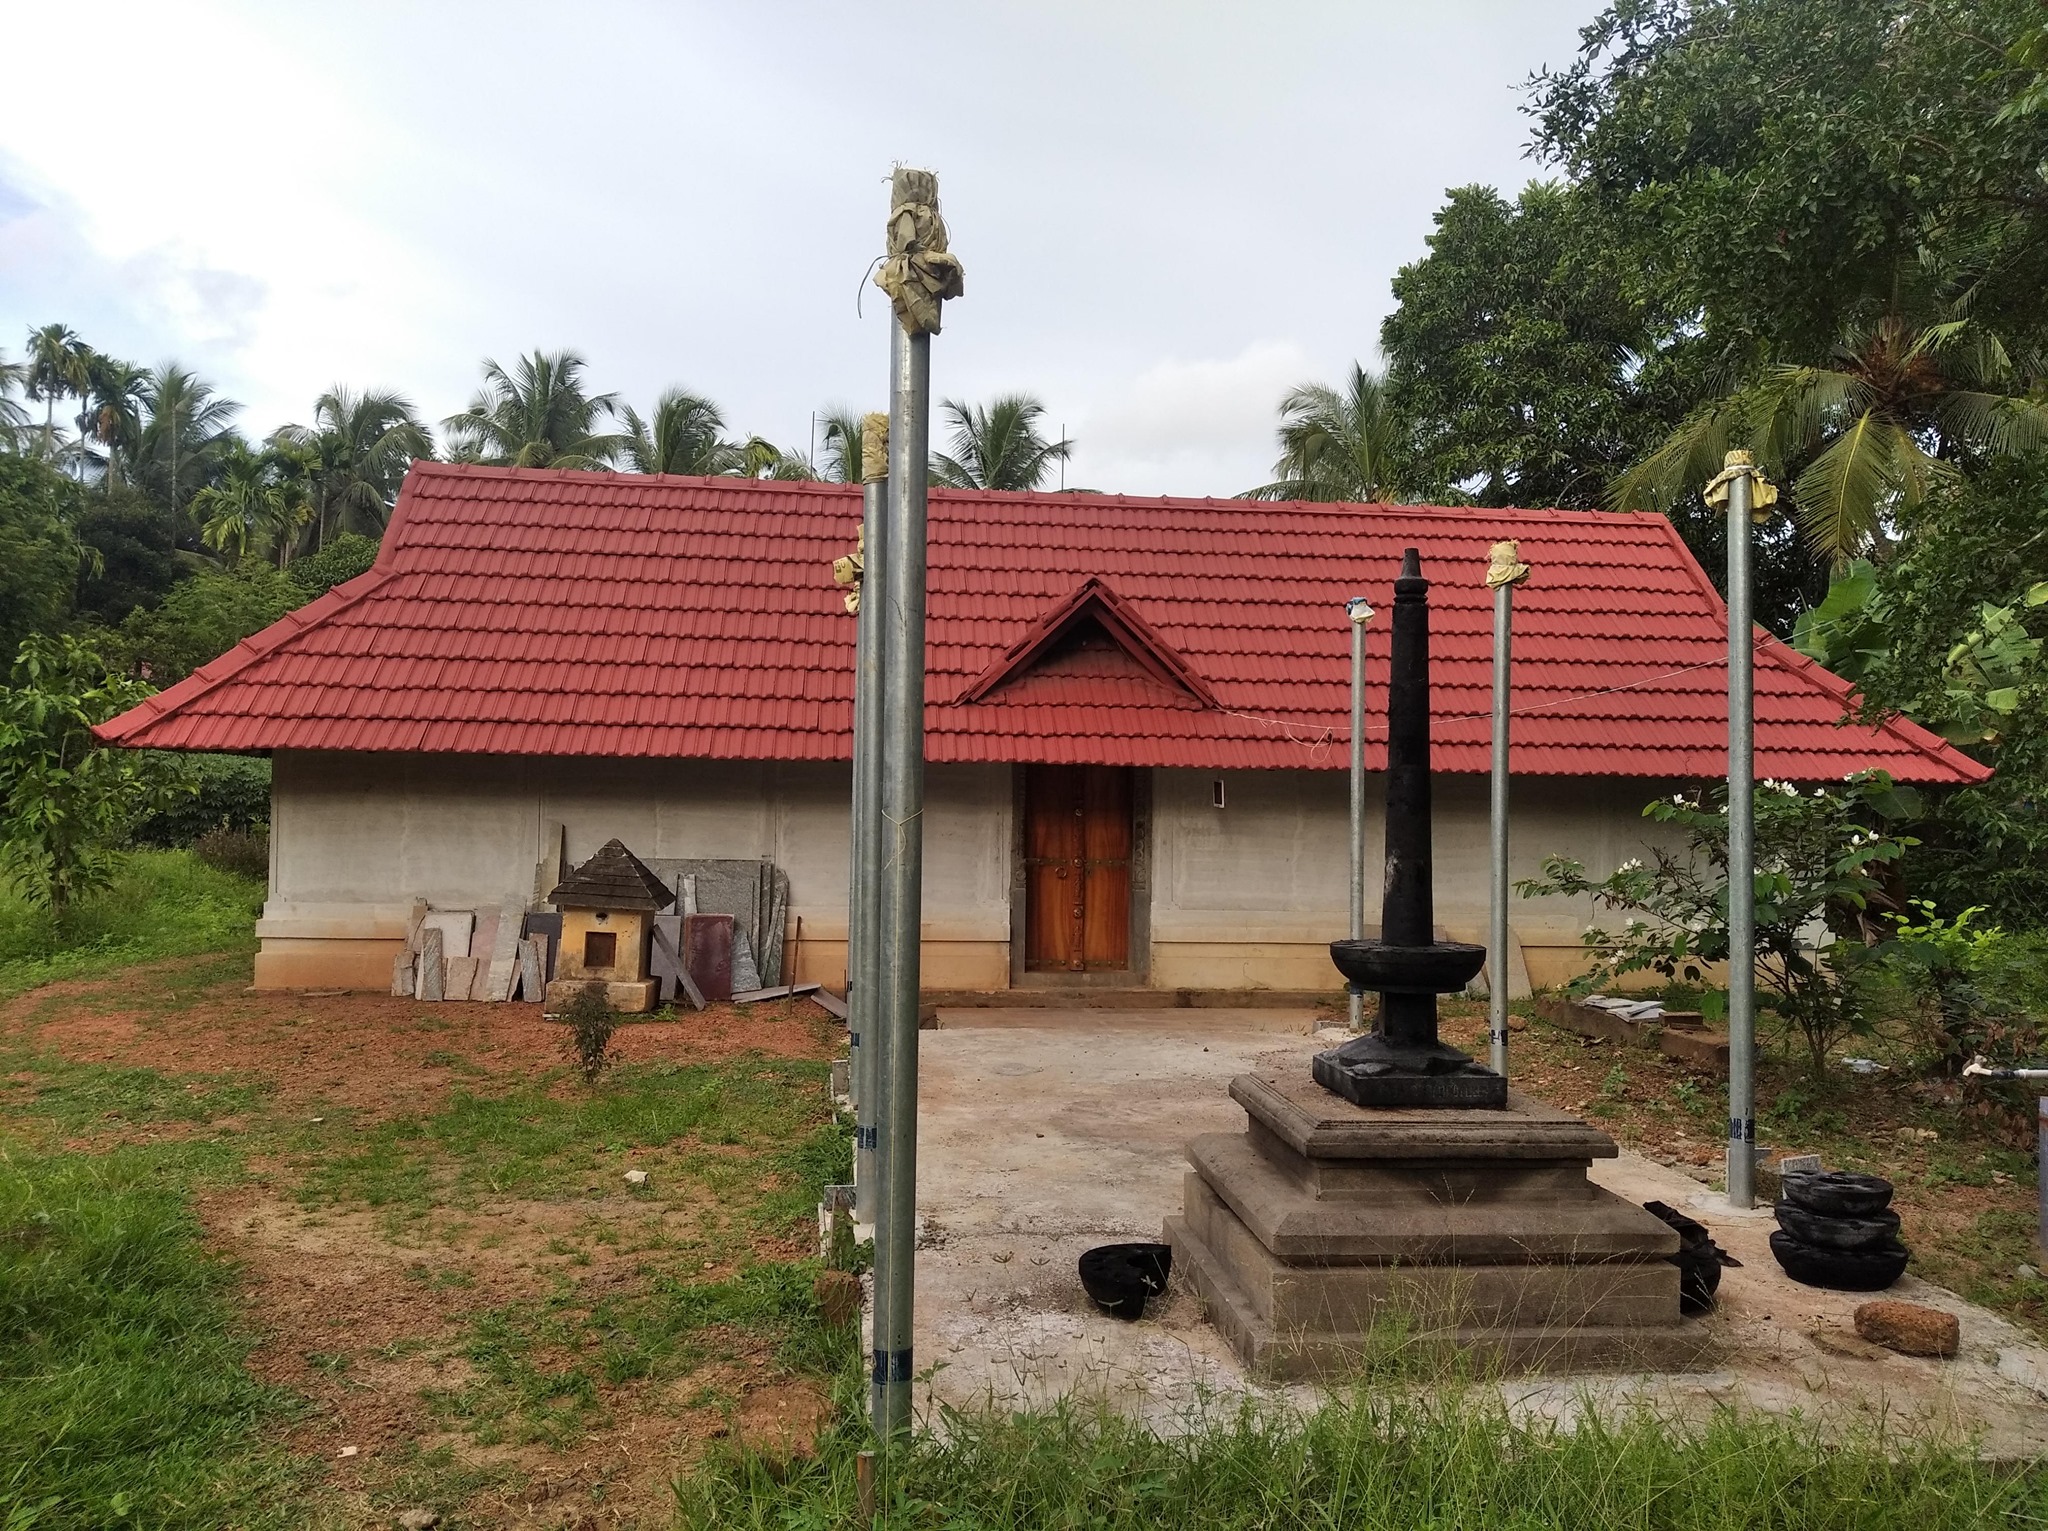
{"x": 256, "y": 503}
{"x": 356, "y": 451}
{"x": 1337, "y": 445}
{"x": 536, "y": 416}
{"x": 13, "y": 418}
{"x": 842, "y": 445}
{"x": 178, "y": 449}
{"x": 681, "y": 437}
{"x": 997, "y": 446}
{"x": 1904, "y": 400}
{"x": 56, "y": 370}
{"x": 114, "y": 400}
{"x": 761, "y": 458}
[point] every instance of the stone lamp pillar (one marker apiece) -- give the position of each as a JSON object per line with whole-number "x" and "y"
{"x": 608, "y": 906}
{"x": 1399, "y": 1186}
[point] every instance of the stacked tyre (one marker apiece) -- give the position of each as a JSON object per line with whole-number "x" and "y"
{"x": 1837, "y": 1230}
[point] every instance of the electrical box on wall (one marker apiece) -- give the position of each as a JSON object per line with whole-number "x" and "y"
{"x": 1216, "y": 793}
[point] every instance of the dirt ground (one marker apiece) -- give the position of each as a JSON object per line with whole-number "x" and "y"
{"x": 1961, "y": 1158}
{"x": 372, "y": 1314}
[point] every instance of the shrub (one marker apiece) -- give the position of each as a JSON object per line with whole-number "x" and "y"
{"x": 341, "y": 560}
{"x": 244, "y": 852}
{"x": 1819, "y": 857}
{"x": 591, "y": 1021}
{"x": 229, "y": 792}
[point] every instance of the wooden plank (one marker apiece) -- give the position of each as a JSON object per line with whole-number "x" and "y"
{"x": 528, "y": 984}
{"x": 432, "y": 983}
{"x": 505, "y": 950}
{"x": 461, "y": 977}
{"x": 829, "y": 1002}
{"x": 401, "y": 975}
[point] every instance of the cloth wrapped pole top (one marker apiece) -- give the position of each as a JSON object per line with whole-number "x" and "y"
{"x": 918, "y": 273}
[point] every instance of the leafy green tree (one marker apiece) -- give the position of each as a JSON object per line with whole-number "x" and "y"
{"x": 342, "y": 559}
{"x": 131, "y": 559}
{"x": 39, "y": 557}
{"x": 66, "y": 803}
{"x": 538, "y": 415}
{"x": 997, "y": 445}
{"x": 1524, "y": 366}
{"x": 683, "y": 436}
{"x": 202, "y": 618}
{"x": 1336, "y": 446}
{"x": 187, "y": 431}
{"x": 56, "y": 370}
{"x": 1949, "y": 631}
{"x": 256, "y": 504}
{"x": 356, "y": 452}
{"x": 1770, "y": 165}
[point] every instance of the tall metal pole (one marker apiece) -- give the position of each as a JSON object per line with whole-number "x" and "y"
{"x": 1359, "y": 614}
{"x": 1741, "y": 842}
{"x": 1504, "y": 571}
{"x": 864, "y": 884}
{"x": 902, "y": 865}
{"x": 1497, "y": 937}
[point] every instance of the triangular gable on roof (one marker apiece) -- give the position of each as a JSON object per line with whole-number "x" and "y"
{"x": 1093, "y": 603}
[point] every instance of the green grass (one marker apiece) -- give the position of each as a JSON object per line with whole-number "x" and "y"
{"x": 123, "y": 1395}
{"x": 161, "y": 904}
{"x": 751, "y": 1134}
{"x": 1443, "y": 1463}
{"x": 77, "y": 1098}
{"x": 542, "y": 1366}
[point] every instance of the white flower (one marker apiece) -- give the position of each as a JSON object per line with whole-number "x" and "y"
{"x": 1678, "y": 798}
{"x": 1630, "y": 865}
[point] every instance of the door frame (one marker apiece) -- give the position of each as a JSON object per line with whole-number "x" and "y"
{"x": 1138, "y": 974}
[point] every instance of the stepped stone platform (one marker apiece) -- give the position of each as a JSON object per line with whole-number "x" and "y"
{"x": 1325, "y": 1225}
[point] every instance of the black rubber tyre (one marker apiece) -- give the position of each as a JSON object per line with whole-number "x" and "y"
{"x": 1851, "y": 1233}
{"x": 1120, "y": 1277}
{"x": 1839, "y": 1193}
{"x": 1839, "y": 1270}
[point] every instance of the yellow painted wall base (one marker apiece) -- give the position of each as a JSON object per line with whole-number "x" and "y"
{"x": 291, "y": 963}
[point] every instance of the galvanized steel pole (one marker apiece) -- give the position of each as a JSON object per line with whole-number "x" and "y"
{"x": 902, "y": 862}
{"x": 1358, "y": 613}
{"x": 1497, "y": 935}
{"x": 864, "y": 884}
{"x": 1741, "y": 844}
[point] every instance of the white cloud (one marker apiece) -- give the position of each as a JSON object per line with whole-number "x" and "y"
{"x": 1190, "y": 427}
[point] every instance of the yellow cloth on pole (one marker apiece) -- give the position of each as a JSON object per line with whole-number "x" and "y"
{"x": 918, "y": 273}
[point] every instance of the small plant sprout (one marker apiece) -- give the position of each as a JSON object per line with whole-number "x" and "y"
{"x": 591, "y": 1022}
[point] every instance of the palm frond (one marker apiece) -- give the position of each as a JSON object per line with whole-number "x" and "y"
{"x": 1838, "y": 497}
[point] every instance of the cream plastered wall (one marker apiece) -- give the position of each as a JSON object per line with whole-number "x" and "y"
{"x": 355, "y": 838}
{"x": 1245, "y": 896}
{"x": 1250, "y": 894}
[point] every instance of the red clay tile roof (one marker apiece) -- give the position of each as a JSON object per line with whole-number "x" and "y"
{"x": 547, "y": 613}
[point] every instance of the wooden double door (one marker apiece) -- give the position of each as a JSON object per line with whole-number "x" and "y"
{"x": 1079, "y": 839}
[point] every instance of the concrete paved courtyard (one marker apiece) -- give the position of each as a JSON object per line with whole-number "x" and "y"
{"x": 1042, "y": 1133}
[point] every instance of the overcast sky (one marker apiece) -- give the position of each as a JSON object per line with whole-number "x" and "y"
{"x": 1169, "y": 212}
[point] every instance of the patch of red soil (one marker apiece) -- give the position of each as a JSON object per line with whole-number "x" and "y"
{"x": 378, "y": 1055}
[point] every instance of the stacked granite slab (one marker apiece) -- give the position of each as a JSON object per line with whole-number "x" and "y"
{"x": 1326, "y": 1227}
